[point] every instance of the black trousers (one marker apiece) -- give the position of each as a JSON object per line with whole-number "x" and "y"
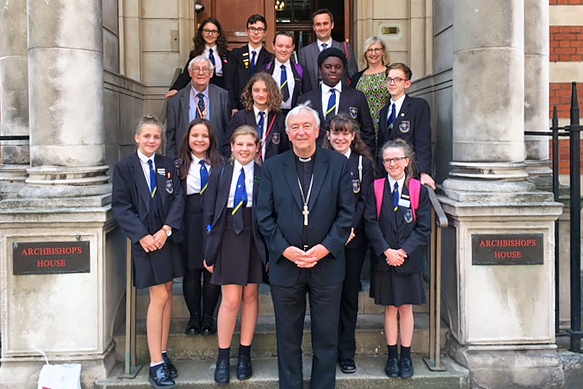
{"x": 289, "y": 305}
{"x": 349, "y": 302}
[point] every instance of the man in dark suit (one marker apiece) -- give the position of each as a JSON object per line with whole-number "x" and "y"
{"x": 246, "y": 60}
{"x": 407, "y": 118}
{"x": 201, "y": 99}
{"x": 334, "y": 96}
{"x": 323, "y": 24}
{"x": 304, "y": 211}
{"x": 148, "y": 205}
{"x": 285, "y": 72}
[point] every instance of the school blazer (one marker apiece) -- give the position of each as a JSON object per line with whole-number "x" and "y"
{"x": 360, "y": 188}
{"x": 411, "y": 125}
{"x": 215, "y": 212}
{"x": 298, "y": 87}
{"x": 354, "y": 103}
{"x": 130, "y": 203}
{"x": 398, "y": 230}
{"x": 276, "y": 143}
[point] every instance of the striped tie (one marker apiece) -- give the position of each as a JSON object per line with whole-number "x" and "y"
{"x": 331, "y": 110}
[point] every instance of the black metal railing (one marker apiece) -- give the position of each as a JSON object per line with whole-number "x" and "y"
{"x": 573, "y": 132}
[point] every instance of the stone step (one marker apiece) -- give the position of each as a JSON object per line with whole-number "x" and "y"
{"x": 370, "y": 374}
{"x": 366, "y": 304}
{"x": 370, "y": 339}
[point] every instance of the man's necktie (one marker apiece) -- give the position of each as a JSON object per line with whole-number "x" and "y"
{"x": 324, "y": 46}
{"x": 153, "y": 184}
{"x": 253, "y": 55}
{"x": 391, "y": 119}
{"x": 396, "y": 197}
{"x": 212, "y": 59}
{"x": 283, "y": 82}
{"x": 204, "y": 177}
{"x": 201, "y": 108}
{"x": 239, "y": 202}
{"x": 261, "y": 124}
{"x": 331, "y": 103}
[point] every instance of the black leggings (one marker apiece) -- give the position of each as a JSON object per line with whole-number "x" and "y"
{"x": 191, "y": 288}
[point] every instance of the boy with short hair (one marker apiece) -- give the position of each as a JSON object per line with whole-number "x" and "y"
{"x": 407, "y": 118}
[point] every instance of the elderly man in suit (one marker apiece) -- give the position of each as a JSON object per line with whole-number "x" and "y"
{"x": 334, "y": 96}
{"x": 201, "y": 99}
{"x": 304, "y": 211}
{"x": 246, "y": 60}
{"x": 323, "y": 24}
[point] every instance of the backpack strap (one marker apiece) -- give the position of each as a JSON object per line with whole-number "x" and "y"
{"x": 379, "y": 192}
{"x": 414, "y": 194}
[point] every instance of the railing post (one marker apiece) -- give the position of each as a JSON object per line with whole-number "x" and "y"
{"x": 575, "y": 224}
{"x": 556, "y": 172}
{"x": 131, "y": 370}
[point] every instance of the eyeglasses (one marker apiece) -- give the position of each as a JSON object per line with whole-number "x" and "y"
{"x": 374, "y": 50}
{"x": 396, "y": 80}
{"x": 210, "y": 32}
{"x": 201, "y": 70}
{"x": 256, "y": 30}
{"x": 388, "y": 161}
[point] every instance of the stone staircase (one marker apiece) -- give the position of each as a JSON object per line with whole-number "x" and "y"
{"x": 195, "y": 355}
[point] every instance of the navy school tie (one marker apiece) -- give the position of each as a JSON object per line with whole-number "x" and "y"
{"x": 239, "y": 202}
{"x": 261, "y": 124}
{"x": 396, "y": 197}
{"x": 212, "y": 59}
{"x": 284, "y": 85}
{"x": 331, "y": 104}
{"x": 153, "y": 184}
{"x": 392, "y": 114}
{"x": 253, "y": 55}
{"x": 201, "y": 113}
{"x": 204, "y": 177}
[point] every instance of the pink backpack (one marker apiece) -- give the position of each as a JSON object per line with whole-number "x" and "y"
{"x": 414, "y": 194}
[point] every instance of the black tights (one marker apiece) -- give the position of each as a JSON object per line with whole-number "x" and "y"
{"x": 191, "y": 288}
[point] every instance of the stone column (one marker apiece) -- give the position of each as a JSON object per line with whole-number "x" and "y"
{"x": 536, "y": 90}
{"x": 498, "y": 251}
{"x": 14, "y": 92}
{"x": 65, "y": 61}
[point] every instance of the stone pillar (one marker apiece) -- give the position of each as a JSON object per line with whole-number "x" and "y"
{"x": 536, "y": 90}
{"x": 499, "y": 294}
{"x": 65, "y": 61}
{"x": 14, "y": 92}
{"x": 63, "y": 304}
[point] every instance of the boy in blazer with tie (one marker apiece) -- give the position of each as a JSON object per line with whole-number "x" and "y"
{"x": 407, "y": 118}
{"x": 246, "y": 61}
{"x": 148, "y": 205}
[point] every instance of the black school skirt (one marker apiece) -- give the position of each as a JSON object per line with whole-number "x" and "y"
{"x": 193, "y": 249}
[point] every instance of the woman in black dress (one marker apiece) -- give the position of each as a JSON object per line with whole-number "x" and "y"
{"x": 199, "y": 155}
{"x": 343, "y": 136}
{"x": 398, "y": 225}
{"x": 209, "y": 40}
{"x": 234, "y": 250}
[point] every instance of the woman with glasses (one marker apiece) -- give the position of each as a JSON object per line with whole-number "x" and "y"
{"x": 397, "y": 221}
{"x": 209, "y": 40}
{"x": 371, "y": 80}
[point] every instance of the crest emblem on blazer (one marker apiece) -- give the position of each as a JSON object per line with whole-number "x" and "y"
{"x": 355, "y": 185}
{"x": 405, "y": 126}
{"x": 408, "y": 216}
{"x": 275, "y": 138}
{"x": 353, "y": 112}
{"x": 169, "y": 184}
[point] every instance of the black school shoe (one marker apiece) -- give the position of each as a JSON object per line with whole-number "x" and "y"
{"x": 193, "y": 326}
{"x": 244, "y": 369}
{"x": 170, "y": 366}
{"x": 347, "y": 366}
{"x": 159, "y": 377}
{"x": 208, "y": 326}
{"x": 406, "y": 368}
{"x": 222, "y": 373}
{"x": 392, "y": 368}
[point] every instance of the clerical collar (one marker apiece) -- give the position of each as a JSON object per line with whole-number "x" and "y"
{"x": 305, "y": 159}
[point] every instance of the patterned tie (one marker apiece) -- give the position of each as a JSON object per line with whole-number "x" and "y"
{"x": 391, "y": 119}
{"x": 201, "y": 108}
{"x": 153, "y": 184}
{"x": 261, "y": 124}
{"x": 396, "y": 196}
{"x": 331, "y": 103}
{"x": 239, "y": 202}
{"x": 253, "y": 55}
{"x": 284, "y": 86}
{"x": 212, "y": 59}
{"x": 204, "y": 177}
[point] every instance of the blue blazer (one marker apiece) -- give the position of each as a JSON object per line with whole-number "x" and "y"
{"x": 280, "y": 219}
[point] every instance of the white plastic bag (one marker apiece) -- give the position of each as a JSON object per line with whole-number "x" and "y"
{"x": 66, "y": 376}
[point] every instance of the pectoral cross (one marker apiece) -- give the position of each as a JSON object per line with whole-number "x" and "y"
{"x": 306, "y": 214}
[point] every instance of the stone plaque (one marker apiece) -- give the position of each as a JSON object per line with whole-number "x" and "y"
{"x": 50, "y": 257}
{"x": 507, "y": 249}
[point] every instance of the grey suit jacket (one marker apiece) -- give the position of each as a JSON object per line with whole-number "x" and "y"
{"x": 177, "y": 119}
{"x": 308, "y": 58}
